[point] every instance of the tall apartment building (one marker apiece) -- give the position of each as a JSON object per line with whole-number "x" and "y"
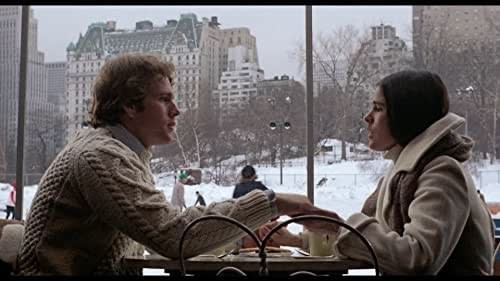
{"x": 322, "y": 78}
{"x": 37, "y": 108}
{"x": 279, "y": 88}
{"x": 452, "y": 24}
{"x": 238, "y": 84}
{"x": 193, "y": 46}
{"x": 56, "y": 96}
{"x": 387, "y": 52}
{"x": 232, "y": 37}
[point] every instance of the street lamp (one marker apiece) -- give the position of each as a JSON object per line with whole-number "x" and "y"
{"x": 280, "y": 126}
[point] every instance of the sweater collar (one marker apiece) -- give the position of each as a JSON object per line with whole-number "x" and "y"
{"x": 121, "y": 133}
{"x": 413, "y": 151}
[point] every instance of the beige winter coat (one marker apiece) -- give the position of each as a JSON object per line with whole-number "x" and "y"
{"x": 450, "y": 226}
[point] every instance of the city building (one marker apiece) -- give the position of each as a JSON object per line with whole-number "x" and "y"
{"x": 238, "y": 84}
{"x": 232, "y": 37}
{"x": 56, "y": 95}
{"x": 197, "y": 49}
{"x": 387, "y": 52}
{"x": 279, "y": 88}
{"x": 323, "y": 78}
{"x": 37, "y": 108}
{"x": 445, "y": 25}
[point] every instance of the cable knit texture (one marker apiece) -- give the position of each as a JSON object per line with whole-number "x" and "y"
{"x": 11, "y": 232}
{"x": 97, "y": 200}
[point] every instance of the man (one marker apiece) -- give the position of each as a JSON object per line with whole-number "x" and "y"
{"x": 97, "y": 199}
{"x": 200, "y": 199}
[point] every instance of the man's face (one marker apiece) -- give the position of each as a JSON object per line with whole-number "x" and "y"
{"x": 156, "y": 123}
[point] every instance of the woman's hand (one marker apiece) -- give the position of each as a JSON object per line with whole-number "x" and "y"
{"x": 282, "y": 237}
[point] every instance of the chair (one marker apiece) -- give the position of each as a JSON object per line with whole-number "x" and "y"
{"x": 228, "y": 271}
{"x": 496, "y": 253}
{"x": 263, "y": 270}
{"x": 496, "y": 260}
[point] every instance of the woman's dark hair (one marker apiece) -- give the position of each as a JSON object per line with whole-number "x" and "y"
{"x": 415, "y": 99}
{"x": 247, "y": 172}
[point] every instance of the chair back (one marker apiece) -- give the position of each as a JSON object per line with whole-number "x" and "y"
{"x": 263, "y": 270}
{"x": 327, "y": 219}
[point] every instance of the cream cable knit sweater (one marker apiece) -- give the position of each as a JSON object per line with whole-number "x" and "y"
{"x": 98, "y": 196}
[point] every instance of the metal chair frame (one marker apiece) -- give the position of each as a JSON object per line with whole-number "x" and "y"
{"x": 263, "y": 271}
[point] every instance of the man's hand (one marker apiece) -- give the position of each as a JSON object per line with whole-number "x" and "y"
{"x": 294, "y": 205}
{"x": 320, "y": 225}
{"x": 291, "y": 204}
{"x": 282, "y": 237}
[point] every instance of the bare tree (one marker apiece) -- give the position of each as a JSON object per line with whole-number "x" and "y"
{"x": 469, "y": 67}
{"x": 344, "y": 57}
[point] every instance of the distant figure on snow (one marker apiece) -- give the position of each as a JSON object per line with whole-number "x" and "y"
{"x": 200, "y": 199}
{"x": 247, "y": 182}
{"x": 11, "y": 200}
{"x": 178, "y": 191}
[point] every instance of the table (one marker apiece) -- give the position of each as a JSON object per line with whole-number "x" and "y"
{"x": 250, "y": 265}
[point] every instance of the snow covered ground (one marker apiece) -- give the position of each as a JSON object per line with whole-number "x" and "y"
{"x": 344, "y": 191}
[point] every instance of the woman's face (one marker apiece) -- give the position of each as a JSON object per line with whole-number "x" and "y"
{"x": 379, "y": 135}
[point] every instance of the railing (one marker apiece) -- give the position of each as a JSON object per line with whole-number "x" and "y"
{"x": 483, "y": 178}
{"x": 319, "y": 178}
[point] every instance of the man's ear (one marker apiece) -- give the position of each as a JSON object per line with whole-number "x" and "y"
{"x": 130, "y": 111}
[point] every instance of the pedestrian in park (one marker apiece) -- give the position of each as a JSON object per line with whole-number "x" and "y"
{"x": 178, "y": 191}
{"x": 199, "y": 199}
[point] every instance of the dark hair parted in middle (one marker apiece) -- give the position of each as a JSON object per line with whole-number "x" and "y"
{"x": 414, "y": 99}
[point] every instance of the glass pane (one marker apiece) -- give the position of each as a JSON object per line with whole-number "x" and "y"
{"x": 354, "y": 47}
{"x": 235, "y": 76}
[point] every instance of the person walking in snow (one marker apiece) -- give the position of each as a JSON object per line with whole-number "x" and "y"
{"x": 247, "y": 182}
{"x": 11, "y": 201}
{"x": 199, "y": 199}
{"x": 178, "y": 191}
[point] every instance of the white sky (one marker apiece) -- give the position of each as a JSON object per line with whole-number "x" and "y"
{"x": 277, "y": 28}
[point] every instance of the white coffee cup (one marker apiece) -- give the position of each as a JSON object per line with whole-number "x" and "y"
{"x": 321, "y": 244}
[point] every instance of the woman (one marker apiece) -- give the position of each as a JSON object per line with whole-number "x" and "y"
{"x": 424, "y": 217}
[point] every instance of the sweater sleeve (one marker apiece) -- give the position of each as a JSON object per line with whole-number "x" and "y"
{"x": 115, "y": 187}
{"x": 436, "y": 223}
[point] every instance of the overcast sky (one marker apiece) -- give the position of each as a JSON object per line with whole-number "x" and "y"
{"x": 277, "y": 28}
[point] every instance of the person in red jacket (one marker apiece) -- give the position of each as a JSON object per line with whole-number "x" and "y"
{"x": 11, "y": 201}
